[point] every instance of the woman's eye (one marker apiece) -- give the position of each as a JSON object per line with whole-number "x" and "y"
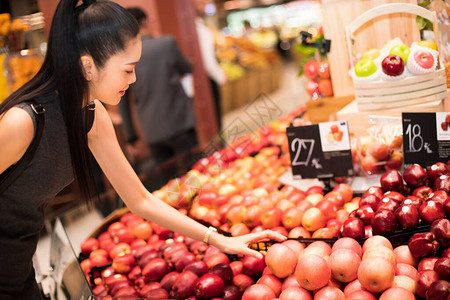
{"x": 129, "y": 72}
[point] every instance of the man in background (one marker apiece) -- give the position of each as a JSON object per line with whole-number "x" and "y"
{"x": 165, "y": 113}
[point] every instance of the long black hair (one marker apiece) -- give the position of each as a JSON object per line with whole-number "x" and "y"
{"x": 96, "y": 28}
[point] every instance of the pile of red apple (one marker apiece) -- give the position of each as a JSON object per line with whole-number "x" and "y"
{"x": 319, "y": 80}
{"x": 135, "y": 261}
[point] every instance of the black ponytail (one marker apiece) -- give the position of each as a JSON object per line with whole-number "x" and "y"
{"x": 97, "y": 28}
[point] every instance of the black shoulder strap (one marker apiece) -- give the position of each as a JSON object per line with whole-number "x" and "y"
{"x": 13, "y": 172}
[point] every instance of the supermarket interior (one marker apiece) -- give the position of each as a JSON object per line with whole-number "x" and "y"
{"x": 325, "y": 121}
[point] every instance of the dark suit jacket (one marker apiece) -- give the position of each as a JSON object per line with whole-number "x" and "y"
{"x": 163, "y": 108}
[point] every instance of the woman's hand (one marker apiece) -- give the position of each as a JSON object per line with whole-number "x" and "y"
{"x": 240, "y": 244}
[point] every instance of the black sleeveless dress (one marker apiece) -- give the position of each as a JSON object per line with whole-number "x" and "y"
{"x": 22, "y": 204}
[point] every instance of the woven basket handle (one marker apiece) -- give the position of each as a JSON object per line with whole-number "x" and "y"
{"x": 387, "y": 9}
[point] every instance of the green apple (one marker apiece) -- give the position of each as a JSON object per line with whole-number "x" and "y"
{"x": 365, "y": 67}
{"x": 401, "y": 50}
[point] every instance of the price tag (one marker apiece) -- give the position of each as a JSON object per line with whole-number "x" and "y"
{"x": 426, "y": 138}
{"x": 320, "y": 151}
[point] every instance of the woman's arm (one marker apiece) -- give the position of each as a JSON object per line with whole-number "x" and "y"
{"x": 105, "y": 148}
{"x": 16, "y": 134}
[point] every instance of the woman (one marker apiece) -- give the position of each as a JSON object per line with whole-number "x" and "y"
{"x": 92, "y": 51}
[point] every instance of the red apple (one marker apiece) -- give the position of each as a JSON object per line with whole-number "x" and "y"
{"x": 381, "y": 251}
{"x": 427, "y": 263}
{"x": 323, "y": 70}
{"x": 442, "y": 268}
{"x": 155, "y": 269}
{"x": 353, "y": 228}
{"x": 393, "y": 65}
{"x": 209, "y": 286}
{"x": 299, "y": 231}
{"x": 437, "y": 170}
{"x": 231, "y": 292}
{"x": 422, "y": 192}
{"x": 391, "y": 181}
{"x": 156, "y": 293}
{"x": 376, "y": 274}
{"x": 423, "y": 244}
{"x": 387, "y": 204}
{"x": 413, "y": 200}
{"x": 431, "y": 210}
{"x": 295, "y": 293}
{"x": 397, "y": 293}
{"x": 312, "y": 88}
{"x": 352, "y": 287}
{"x": 344, "y": 264}
{"x": 123, "y": 235}
{"x": 393, "y": 195}
{"x": 426, "y": 278}
{"x": 442, "y": 183}
{"x": 224, "y": 271}
{"x": 364, "y": 213}
{"x": 403, "y": 255}
{"x": 329, "y": 292}
{"x": 441, "y": 229}
{"x": 88, "y": 245}
{"x": 328, "y": 207}
{"x": 415, "y": 176}
{"x": 439, "y": 196}
{"x": 347, "y": 243}
{"x": 253, "y": 266}
{"x": 376, "y": 241}
{"x": 406, "y": 270}
{"x": 294, "y": 245}
{"x": 313, "y": 219}
{"x": 310, "y": 69}
{"x": 271, "y": 281}
{"x": 272, "y": 218}
{"x": 345, "y": 190}
{"x": 407, "y": 216}
{"x": 184, "y": 285}
{"x": 326, "y": 89}
{"x": 198, "y": 267}
{"x": 216, "y": 258}
{"x": 119, "y": 248}
{"x": 168, "y": 280}
{"x": 370, "y": 199}
{"x": 258, "y": 292}
{"x": 361, "y": 295}
{"x": 123, "y": 263}
{"x": 242, "y": 281}
{"x": 281, "y": 260}
{"x": 383, "y": 221}
{"x": 438, "y": 290}
{"x": 312, "y": 272}
{"x": 289, "y": 281}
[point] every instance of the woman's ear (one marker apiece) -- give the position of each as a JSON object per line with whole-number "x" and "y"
{"x": 88, "y": 66}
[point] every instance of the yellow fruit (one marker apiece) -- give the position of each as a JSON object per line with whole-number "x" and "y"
{"x": 428, "y": 44}
{"x": 371, "y": 54}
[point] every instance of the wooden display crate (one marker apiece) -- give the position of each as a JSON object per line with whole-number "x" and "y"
{"x": 358, "y": 121}
{"x": 325, "y": 109}
{"x": 414, "y": 90}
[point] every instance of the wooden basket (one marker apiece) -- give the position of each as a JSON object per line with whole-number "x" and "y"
{"x": 418, "y": 89}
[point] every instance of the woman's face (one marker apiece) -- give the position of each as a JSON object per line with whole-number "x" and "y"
{"x": 109, "y": 83}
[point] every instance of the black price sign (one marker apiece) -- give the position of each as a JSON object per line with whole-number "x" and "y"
{"x": 320, "y": 151}
{"x": 426, "y": 138}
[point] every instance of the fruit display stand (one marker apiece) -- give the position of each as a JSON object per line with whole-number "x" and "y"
{"x": 239, "y": 92}
{"x": 243, "y": 193}
{"x": 374, "y": 95}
